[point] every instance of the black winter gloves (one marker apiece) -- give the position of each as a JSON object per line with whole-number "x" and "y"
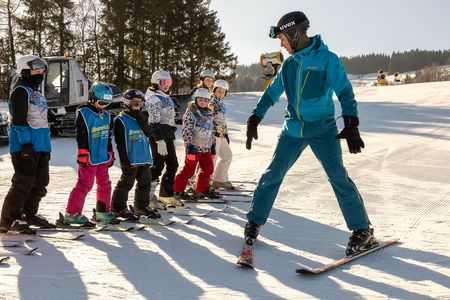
{"x": 252, "y": 132}
{"x": 351, "y": 134}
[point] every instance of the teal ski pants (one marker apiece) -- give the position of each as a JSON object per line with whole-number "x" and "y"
{"x": 328, "y": 150}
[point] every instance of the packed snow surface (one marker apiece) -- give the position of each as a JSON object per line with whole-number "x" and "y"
{"x": 403, "y": 175}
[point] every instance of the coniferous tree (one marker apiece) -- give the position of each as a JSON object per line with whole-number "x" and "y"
{"x": 60, "y": 33}
{"x": 34, "y": 26}
{"x": 112, "y": 37}
{"x": 207, "y": 48}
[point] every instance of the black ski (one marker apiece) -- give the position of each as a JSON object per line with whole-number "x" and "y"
{"x": 193, "y": 213}
{"x": 31, "y": 251}
{"x": 4, "y": 259}
{"x": 344, "y": 260}
{"x": 205, "y": 200}
{"x": 124, "y": 227}
{"x": 237, "y": 191}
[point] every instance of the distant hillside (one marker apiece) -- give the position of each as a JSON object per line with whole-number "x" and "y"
{"x": 396, "y": 62}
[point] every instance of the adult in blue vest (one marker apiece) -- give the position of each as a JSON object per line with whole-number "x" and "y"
{"x": 309, "y": 77}
{"x": 29, "y": 145}
{"x": 131, "y": 132}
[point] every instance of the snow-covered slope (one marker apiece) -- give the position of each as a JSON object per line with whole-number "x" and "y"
{"x": 403, "y": 175}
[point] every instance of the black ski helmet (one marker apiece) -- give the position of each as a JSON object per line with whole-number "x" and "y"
{"x": 292, "y": 25}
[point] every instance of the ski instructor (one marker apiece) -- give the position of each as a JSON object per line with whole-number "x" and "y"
{"x": 308, "y": 77}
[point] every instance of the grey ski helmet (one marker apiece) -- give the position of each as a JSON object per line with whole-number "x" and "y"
{"x": 292, "y": 25}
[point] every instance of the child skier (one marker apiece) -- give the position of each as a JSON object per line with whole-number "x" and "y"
{"x": 220, "y": 176}
{"x": 161, "y": 110}
{"x": 199, "y": 141}
{"x": 95, "y": 156}
{"x": 131, "y": 131}
{"x": 29, "y": 145}
{"x": 206, "y": 81}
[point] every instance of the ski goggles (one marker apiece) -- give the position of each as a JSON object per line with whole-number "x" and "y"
{"x": 201, "y": 99}
{"x": 273, "y": 33}
{"x": 136, "y": 102}
{"x": 103, "y": 103}
{"x": 106, "y": 100}
{"x": 165, "y": 82}
{"x": 38, "y": 65}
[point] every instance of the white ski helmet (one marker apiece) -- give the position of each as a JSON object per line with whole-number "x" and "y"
{"x": 202, "y": 93}
{"x": 159, "y": 75}
{"x": 207, "y": 73}
{"x": 222, "y": 84}
{"x": 30, "y": 62}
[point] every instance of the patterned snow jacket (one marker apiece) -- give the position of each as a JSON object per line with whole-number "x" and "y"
{"x": 219, "y": 118}
{"x": 198, "y": 128}
{"x": 161, "y": 110}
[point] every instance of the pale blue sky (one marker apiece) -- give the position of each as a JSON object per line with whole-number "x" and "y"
{"x": 348, "y": 27}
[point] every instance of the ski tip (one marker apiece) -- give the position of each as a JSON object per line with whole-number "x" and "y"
{"x": 4, "y": 259}
{"x": 245, "y": 265}
{"x": 31, "y": 251}
{"x": 304, "y": 271}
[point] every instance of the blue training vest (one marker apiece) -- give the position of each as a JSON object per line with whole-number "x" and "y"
{"x": 37, "y": 131}
{"x": 137, "y": 145}
{"x": 98, "y": 135}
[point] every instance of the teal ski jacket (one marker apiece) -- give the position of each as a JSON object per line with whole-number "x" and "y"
{"x": 309, "y": 77}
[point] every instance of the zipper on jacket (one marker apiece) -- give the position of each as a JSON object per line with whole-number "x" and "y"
{"x": 299, "y": 94}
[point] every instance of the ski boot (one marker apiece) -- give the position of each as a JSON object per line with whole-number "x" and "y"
{"x": 251, "y": 232}
{"x": 147, "y": 212}
{"x": 105, "y": 217}
{"x": 127, "y": 215}
{"x": 211, "y": 194}
{"x": 38, "y": 221}
{"x": 156, "y": 204}
{"x": 183, "y": 196}
{"x": 170, "y": 201}
{"x": 360, "y": 240}
{"x": 222, "y": 185}
{"x": 75, "y": 219}
{"x": 153, "y": 186}
{"x": 21, "y": 227}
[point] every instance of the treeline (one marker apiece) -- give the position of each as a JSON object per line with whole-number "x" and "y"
{"x": 249, "y": 77}
{"x": 120, "y": 41}
{"x": 396, "y": 62}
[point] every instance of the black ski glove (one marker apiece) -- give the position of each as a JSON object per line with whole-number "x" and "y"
{"x": 252, "y": 132}
{"x": 27, "y": 152}
{"x": 351, "y": 134}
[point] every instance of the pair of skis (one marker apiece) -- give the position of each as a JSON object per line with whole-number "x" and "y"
{"x": 246, "y": 258}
